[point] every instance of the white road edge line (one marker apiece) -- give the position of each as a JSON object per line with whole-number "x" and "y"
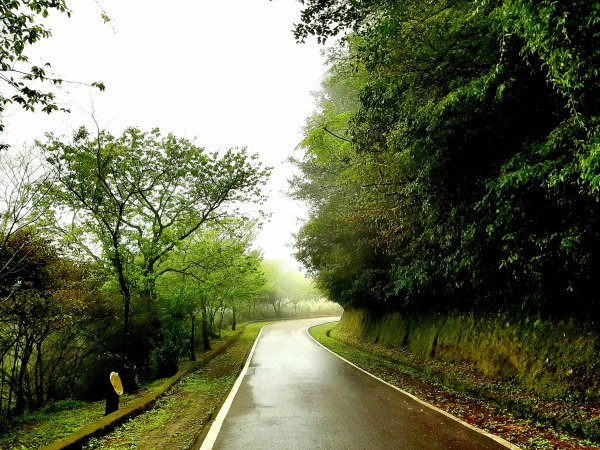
{"x": 215, "y": 428}
{"x": 462, "y": 422}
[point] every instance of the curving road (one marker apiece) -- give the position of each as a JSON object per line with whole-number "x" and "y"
{"x": 297, "y": 395}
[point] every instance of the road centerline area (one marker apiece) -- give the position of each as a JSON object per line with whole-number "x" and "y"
{"x": 294, "y": 394}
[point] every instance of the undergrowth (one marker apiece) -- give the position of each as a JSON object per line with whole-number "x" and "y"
{"x": 63, "y": 418}
{"x": 179, "y": 417}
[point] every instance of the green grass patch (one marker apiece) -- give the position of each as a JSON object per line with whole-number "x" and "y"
{"x": 63, "y": 418}
{"x": 360, "y": 357}
{"x": 43, "y": 427}
{"x": 60, "y": 419}
{"x": 179, "y": 417}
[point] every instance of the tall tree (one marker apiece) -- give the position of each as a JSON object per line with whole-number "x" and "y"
{"x": 39, "y": 300}
{"x": 139, "y": 196}
{"x": 21, "y": 197}
{"x": 216, "y": 270}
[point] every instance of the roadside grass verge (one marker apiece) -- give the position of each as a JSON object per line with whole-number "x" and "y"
{"x": 179, "y": 417}
{"x": 40, "y": 428}
{"x": 498, "y": 408}
{"x": 63, "y": 418}
{"x": 35, "y": 430}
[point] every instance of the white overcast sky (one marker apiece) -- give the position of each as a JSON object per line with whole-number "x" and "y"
{"x": 227, "y": 72}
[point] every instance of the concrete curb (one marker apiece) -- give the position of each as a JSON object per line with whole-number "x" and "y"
{"x": 108, "y": 423}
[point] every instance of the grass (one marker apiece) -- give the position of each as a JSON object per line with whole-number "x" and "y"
{"x": 181, "y": 416}
{"x": 465, "y": 393}
{"x": 41, "y": 428}
{"x": 36, "y": 430}
{"x": 64, "y": 418}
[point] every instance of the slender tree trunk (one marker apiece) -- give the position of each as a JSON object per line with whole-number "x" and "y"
{"x": 193, "y": 338}
{"x": 211, "y": 324}
{"x": 39, "y": 376}
{"x": 11, "y": 383}
{"x": 221, "y": 321}
{"x": 277, "y": 308}
{"x": 20, "y": 392}
{"x": 205, "y": 339}
{"x": 126, "y": 296}
{"x": 29, "y": 393}
{"x": 2, "y": 384}
{"x": 233, "y": 318}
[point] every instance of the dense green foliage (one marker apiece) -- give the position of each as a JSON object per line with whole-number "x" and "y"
{"x": 126, "y": 253}
{"x": 45, "y": 307}
{"x": 140, "y": 197}
{"x": 453, "y": 162}
{"x": 19, "y": 28}
{"x": 109, "y": 248}
{"x": 212, "y": 273}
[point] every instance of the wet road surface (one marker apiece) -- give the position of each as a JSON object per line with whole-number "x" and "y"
{"x": 296, "y": 395}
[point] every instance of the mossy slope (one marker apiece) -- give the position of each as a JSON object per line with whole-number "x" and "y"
{"x": 553, "y": 360}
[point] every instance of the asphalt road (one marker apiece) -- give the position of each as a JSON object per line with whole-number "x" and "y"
{"x": 297, "y": 395}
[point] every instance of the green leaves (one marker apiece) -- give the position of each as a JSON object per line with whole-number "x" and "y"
{"x": 156, "y": 190}
{"x": 565, "y": 37}
{"x": 468, "y": 172}
{"x": 134, "y": 199}
{"x": 99, "y": 85}
{"x": 18, "y": 29}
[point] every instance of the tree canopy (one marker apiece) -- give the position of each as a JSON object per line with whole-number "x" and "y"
{"x": 109, "y": 248}
{"x": 128, "y": 202}
{"x": 452, "y": 162}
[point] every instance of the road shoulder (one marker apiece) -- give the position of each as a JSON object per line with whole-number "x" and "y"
{"x": 376, "y": 361}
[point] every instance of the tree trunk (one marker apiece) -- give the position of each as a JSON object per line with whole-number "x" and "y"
{"x": 233, "y": 319}
{"x": 205, "y": 339}
{"x": 277, "y": 308}
{"x": 2, "y": 383}
{"x": 12, "y": 377}
{"x": 212, "y": 324}
{"x": 193, "y": 338}
{"x": 39, "y": 376}
{"x": 125, "y": 292}
{"x": 20, "y": 392}
{"x": 221, "y": 321}
{"x": 29, "y": 393}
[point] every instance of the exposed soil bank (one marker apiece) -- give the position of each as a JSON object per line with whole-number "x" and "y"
{"x": 554, "y": 360}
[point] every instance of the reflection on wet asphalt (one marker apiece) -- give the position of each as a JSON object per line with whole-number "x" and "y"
{"x": 296, "y": 395}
